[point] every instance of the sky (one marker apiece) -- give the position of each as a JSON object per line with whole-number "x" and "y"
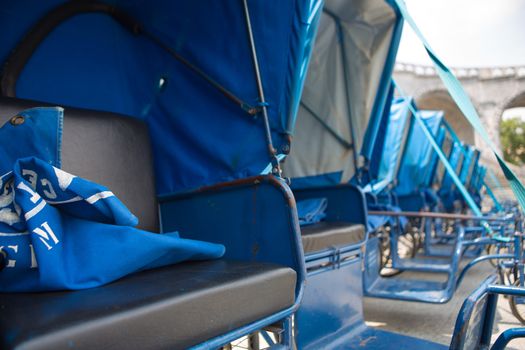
{"x": 467, "y": 33}
{"x": 511, "y": 113}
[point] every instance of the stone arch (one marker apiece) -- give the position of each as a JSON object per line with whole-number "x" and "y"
{"x": 440, "y": 99}
{"x": 515, "y": 101}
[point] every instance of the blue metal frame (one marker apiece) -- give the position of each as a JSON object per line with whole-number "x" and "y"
{"x": 331, "y": 313}
{"x": 480, "y": 309}
{"x": 241, "y": 210}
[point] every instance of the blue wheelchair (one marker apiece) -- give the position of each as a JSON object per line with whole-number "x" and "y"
{"x": 148, "y": 90}
{"x": 186, "y": 111}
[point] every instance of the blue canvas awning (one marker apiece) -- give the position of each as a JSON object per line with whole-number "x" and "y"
{"x": 123, "y": 61}
{"x": 418, "y": 156}
{"x": 387, "y": 153}
{"x": 430, "y": 178}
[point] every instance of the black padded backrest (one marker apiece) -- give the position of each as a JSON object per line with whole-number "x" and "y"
{"x": 106, "y": 148}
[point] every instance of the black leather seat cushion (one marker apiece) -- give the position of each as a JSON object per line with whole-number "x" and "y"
{"x": 323, "y": 235}
{"x": 173, "y": 308}
{"x": 106, "y": 148}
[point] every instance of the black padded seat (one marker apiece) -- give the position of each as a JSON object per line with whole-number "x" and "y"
{"x": 324, "y": 234}
{"x": 172, "y": 307}
{"x": 168, "y": 308}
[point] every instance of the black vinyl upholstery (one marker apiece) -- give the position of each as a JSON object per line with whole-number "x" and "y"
{"x": 325, "y": 234}
{"x": 172, "y": 307}
{"x": 168, "y": 308}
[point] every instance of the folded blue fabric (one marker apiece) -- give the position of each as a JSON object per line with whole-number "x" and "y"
{"x": 311, "y": 211}
{"x": 63, "y": 232}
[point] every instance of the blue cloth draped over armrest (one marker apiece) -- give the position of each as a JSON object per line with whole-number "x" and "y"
{"x": 59, "y": 231}
{"x": 311, "y": 211}
{"x": 64, "y": 232}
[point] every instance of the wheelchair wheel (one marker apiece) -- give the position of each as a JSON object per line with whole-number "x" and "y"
{"x": 495, "y": 249}
{"x": 386, "y": 269}
{"x": 409, "y": 242}
{"x": 517, "y": 307}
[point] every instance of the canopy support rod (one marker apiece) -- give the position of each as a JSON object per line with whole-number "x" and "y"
{"x": 435, "y": 159}
{"x": 276, "y": 169}
{"x": 493, "y": 196}
{"x": 484, "y": 183}
{"x": 339, "y": 138}
{"x": 251, "y": 110}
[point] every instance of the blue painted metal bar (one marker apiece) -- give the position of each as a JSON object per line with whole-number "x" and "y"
{"x": 329, "y": 252}
{"x": 478, "y": 260}
{"x": 508, "y": 335}
{"x": 266, "y": 121}
{"x": 492, "y": 196}
{"x": 490, "y": 315}
{"x": 440, "y": 139}
{"x": 494, "y": 178}
{"x": 491, "y": 173}
{"x": 506, "y": 290}
{"x": 267, "y": 338}
{"x": 483, "y": 182}
{"x": 451, "y": 131}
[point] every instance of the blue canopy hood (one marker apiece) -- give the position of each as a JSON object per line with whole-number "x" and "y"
{"x": 418, "y": 158}
{"x": 91, "y": 60}
{"x": 347, "y": 88}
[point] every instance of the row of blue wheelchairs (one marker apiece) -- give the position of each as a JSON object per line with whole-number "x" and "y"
{"x": 445, "y": 240}
{"x": 293, "y": 286}
{"x": 436, "y": 243}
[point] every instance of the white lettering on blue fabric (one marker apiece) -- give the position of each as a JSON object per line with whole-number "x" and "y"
{"x": 14, "y": 248}
{"x": 97, "y": 196}
{"x": 46, "y": 235}
{"x": 31, "y": 177}
{"x": 35, "y": 210}
{"x": 50, "y": 192}
{"x": 34, "y": 196}
{"x": 34, "y": 263}
{"x": 64, "y": 179}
